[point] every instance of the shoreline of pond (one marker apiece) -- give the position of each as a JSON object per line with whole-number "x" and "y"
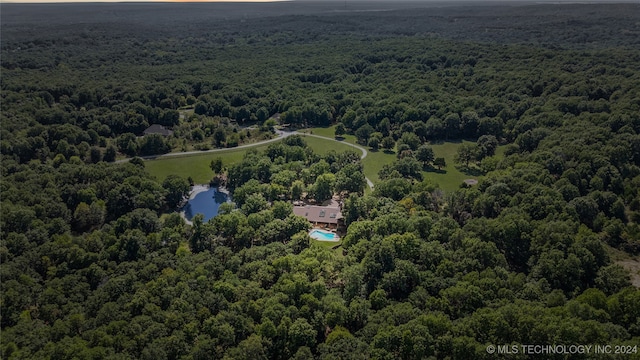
{"x": 195, "y": 191}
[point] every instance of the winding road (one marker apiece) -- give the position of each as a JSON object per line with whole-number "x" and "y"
{"x": 364, "y": 151}
{"x": 280, "y": 135}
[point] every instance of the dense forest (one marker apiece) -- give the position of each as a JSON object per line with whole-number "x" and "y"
{"x": 95, "y": 262}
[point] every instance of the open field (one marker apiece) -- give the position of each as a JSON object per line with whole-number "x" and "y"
{"x": 449, "y": 178}
{"x": 629, "y": 262}
{"x": 374, "y": 161}
{"x": 321, "y": 146}
{"x": 328, "y": 132}
{"x": 197, "y": 166}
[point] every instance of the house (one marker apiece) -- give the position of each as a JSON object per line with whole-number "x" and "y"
{"x": 158, "y": 129}
{"x": 328, "y": 216}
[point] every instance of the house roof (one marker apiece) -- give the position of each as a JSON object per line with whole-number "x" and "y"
{"x": 158, "y": 129}
{"x": 319, "y": 214}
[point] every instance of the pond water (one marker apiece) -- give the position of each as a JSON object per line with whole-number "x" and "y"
{"x": 206, "y": 203}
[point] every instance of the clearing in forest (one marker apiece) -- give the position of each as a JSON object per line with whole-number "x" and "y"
{"x": 449, "y": 177}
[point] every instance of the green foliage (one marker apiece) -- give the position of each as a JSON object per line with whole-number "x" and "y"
{"x": 350, "y": 179}
{"x": 92, "y": 268}
{"x": 340, "y": 130}
{"x": 425, "y": 154}
{"x": 216, "y": 165}
{"x": 439, "y": 162}
{"x": 487, "y": 145}
{"x": 388, "y": 143}
{"x": 394, "y": 188}
{"x": 323, "y": 187}
{"x": 465, "y": 154}
{"x": 177, "y": 189}
{"x": 363, "y": 133}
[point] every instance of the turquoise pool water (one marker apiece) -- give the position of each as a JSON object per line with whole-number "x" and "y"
{"x": 323, "y": 235}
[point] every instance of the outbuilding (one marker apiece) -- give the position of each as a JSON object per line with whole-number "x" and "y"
{"x": 158, "y": 129}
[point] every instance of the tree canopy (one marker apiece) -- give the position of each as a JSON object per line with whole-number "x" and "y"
{"x": 96, "y": 262}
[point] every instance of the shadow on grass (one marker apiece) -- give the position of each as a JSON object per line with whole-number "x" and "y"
{"x": 471, "y": 171}
{"x": 434, "y": 170}
{"x": 389, "y": 152}
{"x": 444, "y": 141}
{"x": 339, "y": 138}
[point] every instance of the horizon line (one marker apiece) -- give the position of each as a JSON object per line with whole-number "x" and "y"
{"x": 43, "y": 2}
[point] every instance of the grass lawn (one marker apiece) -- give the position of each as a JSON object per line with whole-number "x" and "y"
{"x": 330, "y": 245}
{"x": 449, "y": 178}
{"x": 196, "y": 166}
{"x": 322, "y": 131}
{"x": 329, "y": 132}
{"x": 322, "y": 146}
{"x": 374, "y": 161}
{"x": 325, "y": 244}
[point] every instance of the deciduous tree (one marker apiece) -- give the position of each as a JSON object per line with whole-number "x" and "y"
{"x": 177, "y": 189}
{"x": 465, "y": 154}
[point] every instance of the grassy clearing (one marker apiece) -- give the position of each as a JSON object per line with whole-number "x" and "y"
{"x": 196, "y": 166}
{"x": 372, "y": 164}
{"x": 185, "y": 113}
{"x": 329, "y": 245}
{"x": 322, "y": 146}
{"x": 627, "y": 261}
{"x": 449, "y": 178}
{"x": 500, "y": 150}
{"x": 322, "y": 131}
{"x": 329, "y": 132}
{"x": 325, "y": 244}
{"x": 374, "y": 161}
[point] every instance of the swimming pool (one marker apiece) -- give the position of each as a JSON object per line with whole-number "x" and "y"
{"x": 323, "y": 235}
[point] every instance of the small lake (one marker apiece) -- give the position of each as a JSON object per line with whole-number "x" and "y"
{"x": 206, "y": 203}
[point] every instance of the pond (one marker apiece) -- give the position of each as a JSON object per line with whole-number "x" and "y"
{"x": 206, "y": 201}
